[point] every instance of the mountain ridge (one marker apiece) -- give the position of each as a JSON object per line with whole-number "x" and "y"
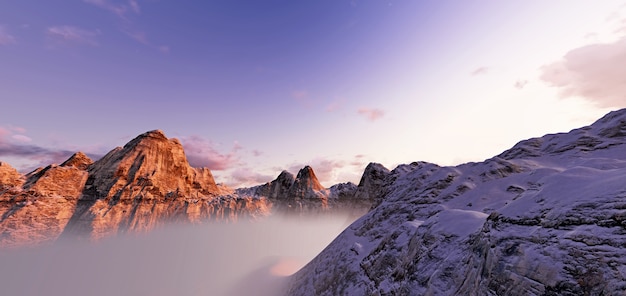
{"x": 142, "y": 185}
{"x": 545, "y": 217}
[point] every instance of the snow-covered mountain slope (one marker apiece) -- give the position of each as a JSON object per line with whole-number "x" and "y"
{"x": 547, "y": 217}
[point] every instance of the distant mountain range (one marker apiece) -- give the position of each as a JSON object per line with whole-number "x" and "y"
{"x": 546, "y": 217}
{"x": 144, "y": 184}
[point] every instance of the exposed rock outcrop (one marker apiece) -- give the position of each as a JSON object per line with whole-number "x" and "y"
{"x": 65, "y": 180}
{"x": 306, "y": 185}
{"x": 149, "y": 166}
{"x": 372, "y": 182}
{"x": 9, "y": 176}
{"x": 78, "y": 160}
{"x": 278, "y": 188}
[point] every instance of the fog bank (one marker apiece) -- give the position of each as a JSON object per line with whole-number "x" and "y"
{"x": 243, "y": 258}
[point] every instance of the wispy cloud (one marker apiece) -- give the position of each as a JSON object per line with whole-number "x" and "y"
{"x": 519, "y": 84}
{"x": 12, "y": 144}
{"x": 124, "y": 10}
{"x": 245, "y": 176}
{"x": 72, "y": 35}
{"x": 371, "y": 114}
{"x": 325, "y": 168}
{"x": 300, "y": 94}
{"x": 119, "y": 9}
{"x": 595, "y": 72}
{"x": 480, "y": 71}
{"x": 5, "y": 37}
{"x": 335, "y": 105}
{"x": 202, "y": 153}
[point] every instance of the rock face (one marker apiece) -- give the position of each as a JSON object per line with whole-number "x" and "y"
{"x": 143, "y": 185}
{"x": 138, "y": 187}
{"x": 278, "y": 188}
{"x": 306, "y": 185}
{"x": 151, "y": 165}
{"x": 546, "y": 217}
{"x": 65, "y": 180}
{"x": 372, "y": 182}
{"x": 78, "y": 160}
{"x": 9, "y": 176}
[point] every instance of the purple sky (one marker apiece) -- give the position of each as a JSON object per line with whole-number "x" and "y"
{"x": 255, "y": 87}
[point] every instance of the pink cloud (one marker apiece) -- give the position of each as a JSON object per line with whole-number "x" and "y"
{"x": 299, "y": 94}
{"x": 5, "y": 37}
{"x": 202, "y": 153}
{"x": 358, "y": 160}
{"x": 335, "y": 105}
{"x": 70, "y": 34}
{"x": 480, "y": 71}
{"x": 12, "y": 145}
{"x": 325, "y": 169}
{"x": 247, "y": 177}
{"x": 372, "y": 114}
{"x": 595, "y": 72}
{"x": 21, "y": 138}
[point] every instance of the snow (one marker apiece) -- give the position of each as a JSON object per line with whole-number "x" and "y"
{"x": 546, "y": 216}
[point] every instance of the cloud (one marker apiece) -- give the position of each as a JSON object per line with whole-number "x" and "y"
{"x": 371, "y": 114}
{"x": 21, "y": 138}
{"x": 325, "y": 169}
{"x": 519, "y": 84}
{"x": 335, "y": 105}
{"x": 595, "y": 72}
{"x": 247, "y": 177}
{"x": 299, "y": 94}
{"x": 123, "y": 9}
{"x": 134, "y": 6}
{"x": 257, "y": 153}
{"x": 164, "y": 49}
{"x": 202, "y": 153}
{"x": 12, "y": 145}
{"x": 119, "y": 9}
{"x": 70, "y": 34}
{"x": 479, "y": 71}
{"x": 5, "y": 37}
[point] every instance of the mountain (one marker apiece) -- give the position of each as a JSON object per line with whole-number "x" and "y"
{"x": 9, "y": 176}
{"x": 306, "y": 185}
{"x": 141, "y": 186}
{"x": 546, "y": 217}
{"x": 150, "y": 165}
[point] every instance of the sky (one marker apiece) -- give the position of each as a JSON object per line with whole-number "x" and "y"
{"x": 252, "y": 88}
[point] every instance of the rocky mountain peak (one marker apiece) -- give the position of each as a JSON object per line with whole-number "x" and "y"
{"x": 150, "y": 165}
{"x": 67, "y": 179}
{"x": 612, "y": 124}
{"x": 372, "y": 181}
{"x": 306, "y": 184}
{"x": 78, "y": 160}
{"x": 9, "y": 176}
{"x": 607, "y": 131}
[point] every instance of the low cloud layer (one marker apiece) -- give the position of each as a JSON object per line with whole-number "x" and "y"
{"x": 595, "y": 72}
